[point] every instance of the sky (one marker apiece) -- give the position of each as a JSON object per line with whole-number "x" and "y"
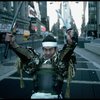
{"x": 76, "y": 9}
{"x": 77, "y": 12}
{"x": 51, "y": 12}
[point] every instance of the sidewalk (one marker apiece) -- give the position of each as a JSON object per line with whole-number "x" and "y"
{"x": 92, "y": 57}
{"x": 7, "y": 68}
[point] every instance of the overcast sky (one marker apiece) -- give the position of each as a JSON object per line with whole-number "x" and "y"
{"x": 76, "y": 9}
{"x": 77, "y": 12}
{"x": 51, "y": 12}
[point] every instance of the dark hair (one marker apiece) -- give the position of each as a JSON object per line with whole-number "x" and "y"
{"x": 49, "y": 38}
{"x": 68, "y": 29}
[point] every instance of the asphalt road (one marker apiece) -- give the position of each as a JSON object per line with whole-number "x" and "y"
{"x": 85, "y": 84}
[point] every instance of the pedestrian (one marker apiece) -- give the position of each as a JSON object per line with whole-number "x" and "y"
{"x": 93, "y": 35}
{"x": 50, "y": 69}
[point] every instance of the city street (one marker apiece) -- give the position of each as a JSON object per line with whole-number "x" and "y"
{"x": 85, "y": 84}
{"x": 30, "y": 23}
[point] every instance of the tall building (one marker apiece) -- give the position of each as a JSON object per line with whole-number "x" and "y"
{"x": 84, "y": 17}
{"x": 8, "y": 11}
{"x": 37, "y": 24}
{"x": 98, "y": 18}
{"x": 43, "y": 12}
{"x": 92, "y": 22}
{"x": 65, "y": 15}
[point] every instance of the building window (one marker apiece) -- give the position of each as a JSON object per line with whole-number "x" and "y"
{"x": 12, "y": 6}
{"x": 4, "y": 6}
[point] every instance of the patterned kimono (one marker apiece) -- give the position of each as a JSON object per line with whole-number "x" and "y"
{"x": 48, "y": 75}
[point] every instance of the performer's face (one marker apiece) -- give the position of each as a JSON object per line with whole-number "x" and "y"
{"x": 49, "y": 52}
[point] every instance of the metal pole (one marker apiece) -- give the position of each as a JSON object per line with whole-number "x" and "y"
{"x": 12, "y": 27}
{"x": 14, "y": 20}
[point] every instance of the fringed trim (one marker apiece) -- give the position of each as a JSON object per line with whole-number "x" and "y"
{"x": 19, "y": 65}
{"x": 71, "y": 74}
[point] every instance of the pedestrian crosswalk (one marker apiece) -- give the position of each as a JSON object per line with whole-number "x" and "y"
{"x": 93, "y": 71}
{"x": 83, "y": 82}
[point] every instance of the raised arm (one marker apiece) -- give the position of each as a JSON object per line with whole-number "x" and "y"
{"x": 23, "y": 53}
{"x": 69, "y": 47}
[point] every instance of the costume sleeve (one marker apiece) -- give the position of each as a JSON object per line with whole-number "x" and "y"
{"x": 65, "y": 56}
{"x": 67, "y": 51}
{"x": 23, "y": 53}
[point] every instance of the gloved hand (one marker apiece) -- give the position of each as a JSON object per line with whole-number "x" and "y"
{"x": 69, "y": 35}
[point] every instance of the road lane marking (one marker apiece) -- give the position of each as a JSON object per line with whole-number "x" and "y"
{"x": 83, "y": 62}
{"x": 73, "y": 81}
{"x": 7, "y": 74}
{"x": 88, "y": 69}
{"x": 18, "y": 78}
{"x": 84, "y": 82}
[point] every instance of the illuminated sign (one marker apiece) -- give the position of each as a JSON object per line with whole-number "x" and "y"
{"x": 43, "y": 28}
{"x": 31, "y": 12}
{"x": 34, "y": 27}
